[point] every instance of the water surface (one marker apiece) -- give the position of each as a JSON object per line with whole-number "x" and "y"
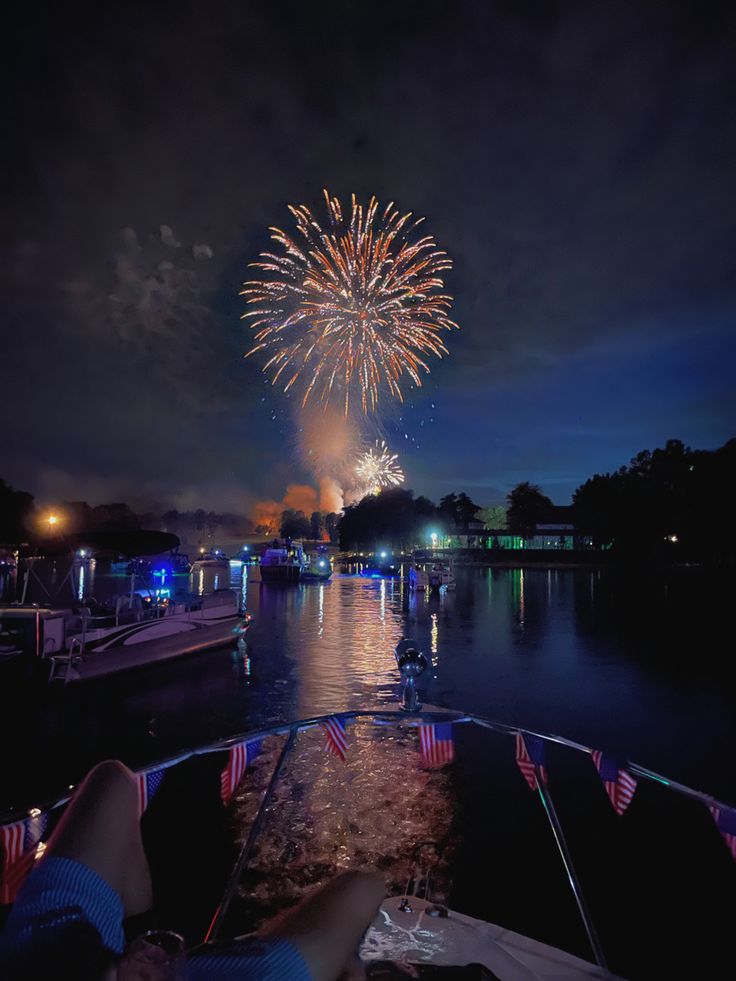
{"x": 616, "y": 660}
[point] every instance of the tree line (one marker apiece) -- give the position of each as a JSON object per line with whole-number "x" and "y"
{"x": 671, "y": 500}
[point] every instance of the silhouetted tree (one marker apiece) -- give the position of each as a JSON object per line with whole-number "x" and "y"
{"x": 528, "y": 507}
{"x": 170, "y": 520}
{"x": 672, "y": 496}
{"x": 316, "y": 524}
{"x": 393, "y": 517}
{"x": 457, "y": 510}
{"x": 113, "y": 517}
{"x": 16, "y": 514}
{"x": 331, "y": 525}
{"x": 447, "y": 510}
{"x": 466, "y": 510}
{"x": 294, "y": 524}
{"x": 598, "y": 508}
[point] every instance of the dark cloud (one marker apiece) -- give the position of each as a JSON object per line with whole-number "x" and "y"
{"x": 576, "y": 160}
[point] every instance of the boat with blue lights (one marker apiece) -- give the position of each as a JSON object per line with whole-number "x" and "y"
{"x": 431, "y": 576}
{"x": 318, "y": 568}
{"x": 383, "y": 566}
{"x": 283, "y": 562}
{"x": 150, "y": 622}
{"x": 210, "y": 560}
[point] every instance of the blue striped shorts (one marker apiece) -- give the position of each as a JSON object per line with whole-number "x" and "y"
{"x": 68, "y": 922}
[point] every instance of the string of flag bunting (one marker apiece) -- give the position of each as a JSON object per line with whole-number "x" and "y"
{"x": 21, "y": 841}
{"x": 21, "y": 844}
{"x": 239, "y": 757}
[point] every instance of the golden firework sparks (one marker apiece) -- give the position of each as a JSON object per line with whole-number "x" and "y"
{"x": 351, "y": 309}
{"x": 378, "y": 467}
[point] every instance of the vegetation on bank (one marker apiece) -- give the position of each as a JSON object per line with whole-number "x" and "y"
{"x": 672, "y": 501}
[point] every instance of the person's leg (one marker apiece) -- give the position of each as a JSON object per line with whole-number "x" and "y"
{"x": 101, "y": 829}
{"x": 326, "y": 927}
{"x": 68, "y": 918}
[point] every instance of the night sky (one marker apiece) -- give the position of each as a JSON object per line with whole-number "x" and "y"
{"x": 577, "y": 161}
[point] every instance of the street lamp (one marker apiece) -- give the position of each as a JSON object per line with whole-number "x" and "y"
{"x": 52, "y": 519}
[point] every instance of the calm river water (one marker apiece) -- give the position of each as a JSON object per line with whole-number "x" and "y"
{"x": 619, "y": 661}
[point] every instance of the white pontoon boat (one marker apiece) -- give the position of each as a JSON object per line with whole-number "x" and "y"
{"x": 138, "y": 629}
{"x": 424, "y": 576}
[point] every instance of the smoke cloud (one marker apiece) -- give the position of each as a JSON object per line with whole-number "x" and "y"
{"x": 298, "y": 497}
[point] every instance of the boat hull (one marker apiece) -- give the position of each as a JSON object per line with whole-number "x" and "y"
{"x": 126, "y": 652}
{"x": 280, "y": 573}
{"x": 316, "y": 576}
{"x": 381, "y": 572}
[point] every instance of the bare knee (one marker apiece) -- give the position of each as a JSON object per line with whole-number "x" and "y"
{"x": 110, "y": 782}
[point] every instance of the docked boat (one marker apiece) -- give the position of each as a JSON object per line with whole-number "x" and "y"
{"x": 210, "y": 560}
{"x": 383, "y": 567}
{"x": 8, "y": 560}
{"x": 144, "y": 625}
{"x": 318, "y": 568}
{"x": 180, "y": 564}
{"x": 139, "y": 628}
{"x": 283, "y": 562}
{"x": 431, "y": 576}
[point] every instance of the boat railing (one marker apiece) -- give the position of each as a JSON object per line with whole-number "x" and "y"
{"x": 407, "y": 719}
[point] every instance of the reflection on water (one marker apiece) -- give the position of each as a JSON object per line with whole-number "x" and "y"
{"x": 329, "y": 816}
{"x": 592, "y": 654}
{"x": 616, "y": 662}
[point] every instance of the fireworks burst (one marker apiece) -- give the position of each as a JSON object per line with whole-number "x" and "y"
{"x": 377, "y": 468}
{"x": 352, "y": 308}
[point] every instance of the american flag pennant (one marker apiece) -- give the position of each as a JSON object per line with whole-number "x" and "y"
{"x": 19, "y": 846}
{"x": 726, "y": 823}
{"x": 436, "y": 744}
{"x": 530, "y": 753}
{"x": 336, "y": 741}
{"x": 240, "y": 756}
{"x": 148, "y": 783}
{"x": 619, "y": 784}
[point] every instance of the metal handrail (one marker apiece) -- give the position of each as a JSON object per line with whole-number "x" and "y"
{"x": 414, "y": 719}
{"x": 249, "y": 843}
{"x": 436, "y": 713}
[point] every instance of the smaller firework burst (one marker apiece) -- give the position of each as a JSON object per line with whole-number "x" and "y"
{"x": 378, "y": 467}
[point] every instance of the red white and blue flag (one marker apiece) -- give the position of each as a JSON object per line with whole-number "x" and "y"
{"x": 437, "y": 744}
{"x": 19, "y": 847}
{"x": 726, "y": 823}
{"x": 240, "y": 756}
{"x": 619, "y": 784}
{"x": 148, "y": 783}
{"x": 336, "y": 741}
{"x": 529, "y": 755}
